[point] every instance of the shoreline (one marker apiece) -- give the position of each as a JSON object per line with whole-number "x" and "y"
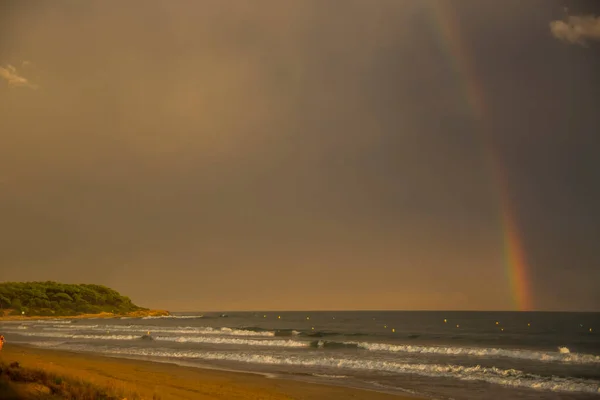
{"x": 102, "y": 315}
{"x": 170, "y": 380}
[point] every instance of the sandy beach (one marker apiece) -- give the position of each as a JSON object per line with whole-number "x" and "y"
{"x": 152, "y": 380}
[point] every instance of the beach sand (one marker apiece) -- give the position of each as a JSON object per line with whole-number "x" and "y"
{"x": 155, "y": 380}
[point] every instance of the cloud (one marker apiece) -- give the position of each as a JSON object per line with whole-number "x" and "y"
{"x": 14, "y": 79}
{"x": 577, "y": 29}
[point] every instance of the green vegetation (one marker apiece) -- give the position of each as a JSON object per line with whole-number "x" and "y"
{"x": 59, "y": 299}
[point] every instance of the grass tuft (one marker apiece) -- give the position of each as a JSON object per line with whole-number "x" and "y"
{"x": 65, "y": 387}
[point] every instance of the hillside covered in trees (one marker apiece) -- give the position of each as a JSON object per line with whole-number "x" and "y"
{"x": 59, "y": 299}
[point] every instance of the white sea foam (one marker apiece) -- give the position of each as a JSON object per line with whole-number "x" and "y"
{"x": 167, "y": 330}
{"x": 330, "y": 376}
{"x": 178, "y": 339}
{"x": 79, "y": 336}
{"x": 39, "y": 321}
{"x": 233, "y": 341}
{"x": 45, "y": 343}
{"x": 53, "y": 321}
{"x": 174, "y": 317}
{"x": 76, "y": 327}
{"x": 505, "y": 377}
{"x": 564, "y": 350}
{"x": 563, "y": 355}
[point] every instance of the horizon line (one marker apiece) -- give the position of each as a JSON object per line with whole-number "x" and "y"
{"x": 384, "y": 310}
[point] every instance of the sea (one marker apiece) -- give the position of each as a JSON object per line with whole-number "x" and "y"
{"x": 437, "y": 355}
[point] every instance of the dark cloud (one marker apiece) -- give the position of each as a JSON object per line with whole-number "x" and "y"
{"x": 298, "y": 155}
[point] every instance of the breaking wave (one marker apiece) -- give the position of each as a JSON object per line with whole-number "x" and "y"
{"x": 232, "y": 341}
{"x": 178, "y": 339}
{"x": 39, "y": 321}
{"x": 80, "y": 336}
{"x": 166, "y": 330}
{"x": 173, "y": 317}
{"x": 506, "y": 377}
{"x": 226, "y": 335}
{"x": 563, "y": 355}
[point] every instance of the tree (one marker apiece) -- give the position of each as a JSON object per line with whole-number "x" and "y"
{"x": 52, "y": 298}
{"x": 16, "y": 304}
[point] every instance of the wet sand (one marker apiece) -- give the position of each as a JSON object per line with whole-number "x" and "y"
{"x": 155, "y": 380}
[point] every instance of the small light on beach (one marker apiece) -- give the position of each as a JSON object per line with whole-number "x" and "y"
{"x": 265, "y": 316}
{"x": 497, "y": 323}
{"x": 457, "y": 325}
{"x": 385, "y": 327}
{"x": 501, "y": 329}
{"x": 590, "y": 330}
{"x": 313, "y": 328}
{"x": 528, "y": 324}
{"x": 279, "y": 317}
{"x": 445, "y": 320}
{"x": 307, "y": 317}
{"x": 393, "y": 330}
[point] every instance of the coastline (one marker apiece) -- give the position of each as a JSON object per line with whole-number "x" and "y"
{"x": 102, "y": 315}
{"x": 157, "y": 380}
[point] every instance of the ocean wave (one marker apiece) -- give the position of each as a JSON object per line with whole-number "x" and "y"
{"x": 79, "y": 336}
{"x": 563, "y": 355}
{"x": 166, "y": 330}
{"x": 233, "y": 341}
{"x": 38, "y": 321}
{"x": 333, "y": 345}
{"x": 45, "y": 343}
{"x": 173, "y": 317}
{"x": 76, "y": 327}
{"x": 178, "y": 339}
{"x": 330, "y": 376}
{"x": 506, "y": 377}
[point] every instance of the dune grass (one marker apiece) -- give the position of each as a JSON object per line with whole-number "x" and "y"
{"x": 27, "y": 383}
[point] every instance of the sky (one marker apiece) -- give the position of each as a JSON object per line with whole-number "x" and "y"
{"x": 304, "y": 154}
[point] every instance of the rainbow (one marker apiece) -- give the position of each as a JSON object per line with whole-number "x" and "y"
{"x": 447, "y": 26}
